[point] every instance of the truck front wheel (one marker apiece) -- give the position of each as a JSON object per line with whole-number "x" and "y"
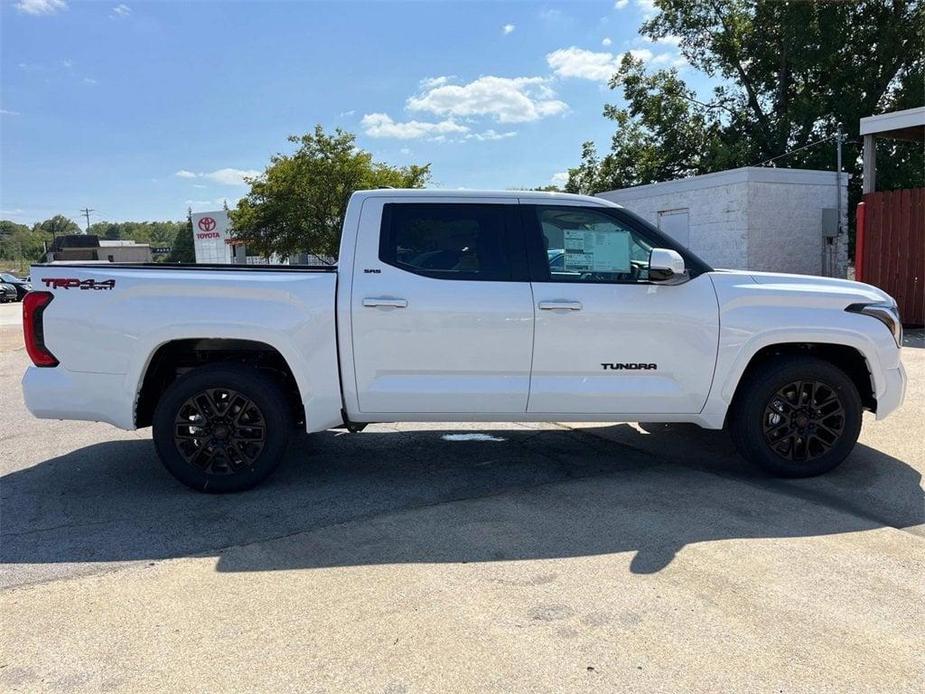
{"x": 222, "y": 428}
{"x": 796, "y": 417}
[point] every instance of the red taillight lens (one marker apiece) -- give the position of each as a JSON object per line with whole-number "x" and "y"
{"x": 33, "y": 306}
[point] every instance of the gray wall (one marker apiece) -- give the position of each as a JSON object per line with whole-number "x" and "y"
{"x": 750, "y": 218}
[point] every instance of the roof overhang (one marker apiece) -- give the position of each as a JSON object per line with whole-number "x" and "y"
{"x": 898, "y": 125}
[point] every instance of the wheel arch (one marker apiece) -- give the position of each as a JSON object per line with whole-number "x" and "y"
{"x": 173, "y": 358}
{"x": 847, "y": 358}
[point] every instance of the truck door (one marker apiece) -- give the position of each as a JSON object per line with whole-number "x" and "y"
{"x": 609, "y": 341}
{"x": 441, "y": 307}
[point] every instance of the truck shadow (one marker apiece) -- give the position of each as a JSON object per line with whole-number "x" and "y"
{"x": 445, "y": 496}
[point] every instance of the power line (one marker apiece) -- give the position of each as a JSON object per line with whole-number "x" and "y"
{"x": 799, "y": 149}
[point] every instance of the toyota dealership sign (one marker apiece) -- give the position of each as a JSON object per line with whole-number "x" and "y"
{"x": 210, "y": 237}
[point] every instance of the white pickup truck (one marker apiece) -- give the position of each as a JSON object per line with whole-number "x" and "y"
{"x": 462, "y": 306}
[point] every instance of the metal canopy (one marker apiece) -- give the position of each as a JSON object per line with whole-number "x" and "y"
{"x": 898, "y": 125}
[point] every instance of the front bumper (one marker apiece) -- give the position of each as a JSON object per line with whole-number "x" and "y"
{"x": 94, "y": 397}
{"x": 893, "y": 393}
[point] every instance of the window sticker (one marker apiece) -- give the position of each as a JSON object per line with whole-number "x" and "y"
{"x": 601, "y": 249}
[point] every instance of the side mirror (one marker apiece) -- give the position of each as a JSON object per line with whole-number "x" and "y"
{"x": 666, "y": 265}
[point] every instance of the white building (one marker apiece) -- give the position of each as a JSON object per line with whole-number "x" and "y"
{"x": 753, "y": 218}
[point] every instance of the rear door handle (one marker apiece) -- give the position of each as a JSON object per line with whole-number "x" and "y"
{"x": 385, "y": 301}
{"x": 560, "y": 305}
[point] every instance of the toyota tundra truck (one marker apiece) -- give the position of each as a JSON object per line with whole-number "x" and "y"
{"x": 461, "y": 306}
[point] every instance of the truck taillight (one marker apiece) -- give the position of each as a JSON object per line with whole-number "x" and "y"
{"x": 33, "y": 306}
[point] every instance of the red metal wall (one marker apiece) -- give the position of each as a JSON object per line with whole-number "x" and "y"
{"x": 890, "y": 251}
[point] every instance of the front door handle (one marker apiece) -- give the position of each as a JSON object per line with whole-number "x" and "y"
{"x": 385, "y": 301}
{"x": 560, "y": 305}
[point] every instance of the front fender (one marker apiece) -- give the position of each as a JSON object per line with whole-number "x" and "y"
{"x": 754, "y": 317}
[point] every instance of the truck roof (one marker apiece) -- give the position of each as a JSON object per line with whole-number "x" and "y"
{"x": 513, "y": 194}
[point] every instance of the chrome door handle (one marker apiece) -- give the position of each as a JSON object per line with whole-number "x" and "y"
{"x": 560, "y": 305}
{"x": 385, "y": 301}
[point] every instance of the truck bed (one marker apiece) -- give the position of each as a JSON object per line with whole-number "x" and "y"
{"x": 107, "y": 321}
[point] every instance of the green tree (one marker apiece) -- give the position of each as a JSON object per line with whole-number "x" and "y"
{"x": 298, "y": 203}
{"x": 20, "y": 245}
{"x": 154, "y": 233}
{"x": 182, "y": 250}
{"x": 787, "y": 74}
{"x": 57, "y": 225}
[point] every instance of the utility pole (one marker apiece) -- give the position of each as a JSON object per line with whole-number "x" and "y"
{"x": 833, "y": 251}
{"x": 839, "y": 139}
{"x": 87, "y": 210}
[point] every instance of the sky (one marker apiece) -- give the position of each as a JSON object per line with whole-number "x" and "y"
{"x": 140, "y": 110}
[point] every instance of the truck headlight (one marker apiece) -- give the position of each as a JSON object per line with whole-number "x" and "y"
{"x": 886, "y": 313}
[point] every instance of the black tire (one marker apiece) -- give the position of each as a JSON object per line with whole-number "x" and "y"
{"x": 796, "y": 417}
{"x": 222, "y": 428}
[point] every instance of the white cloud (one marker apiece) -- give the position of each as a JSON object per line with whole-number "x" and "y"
{"x": 559, "y": 179}
{"x": 227, "y": 176}
{"x": 621, "y": 4}
{"x": 345, "y": 114}
{"x": 488, "y": 135}
{"x": 89, "y": 80}
{"x": 553, "y": 16}
{"x": 606, "y": 42}
{"x": 121, "y": 10}
{"x": 599, "y": 66}
{"x": 231, "y": 177}
{"x": 6, "y": 112}
{"x": 405, "y": 151}
{"x": 508, "y": 28}
{"x": 647, "y": 8}
{"x": 381, "y": 125}
{"x": 506, "y": 99}
{"x": 39, "y": 7}
{"x": 433, "y": 82}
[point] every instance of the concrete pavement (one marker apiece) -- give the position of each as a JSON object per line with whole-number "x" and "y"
{"x": 407, "y": 558}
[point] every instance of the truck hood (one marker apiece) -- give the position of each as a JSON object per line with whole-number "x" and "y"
{"x": 811, "y": 285}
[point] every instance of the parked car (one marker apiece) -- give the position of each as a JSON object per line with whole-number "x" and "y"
{"x": 7, "y": 293}
{"x": 446, "y": 306}
{"x": 22, "y": 286}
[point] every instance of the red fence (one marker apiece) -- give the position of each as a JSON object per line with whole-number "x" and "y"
{"x": 890, "y": 250}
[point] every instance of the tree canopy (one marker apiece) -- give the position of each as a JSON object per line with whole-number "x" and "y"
{"x": 57, "y": 225}
{"x": 786, "y": 74}
{"x": 182, "y": 250}
{"x": 155, "y": 233}
{"x": 298, "y": 203}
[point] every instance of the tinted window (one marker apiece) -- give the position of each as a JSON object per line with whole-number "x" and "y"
{"x": 446, "y": 241}
{"x": 584, "y": 245}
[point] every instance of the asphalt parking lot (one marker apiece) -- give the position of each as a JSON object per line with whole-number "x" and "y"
{"x": 454, "y": 558}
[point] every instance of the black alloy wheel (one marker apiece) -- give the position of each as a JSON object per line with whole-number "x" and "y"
{"x": 223, "y": 427}
{"x": 803, "y": 420}
{"x": 796, "y": 416}
{"x": 220, "y": 431}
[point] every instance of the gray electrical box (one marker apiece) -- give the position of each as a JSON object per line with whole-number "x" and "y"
{"x": 829, "y": 223}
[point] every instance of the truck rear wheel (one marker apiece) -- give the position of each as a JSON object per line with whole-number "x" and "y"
{"x": 797, "y": 417}
{"x": 222, "y": 428}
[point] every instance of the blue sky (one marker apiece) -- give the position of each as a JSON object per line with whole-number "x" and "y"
{"x": 143, "y": 108}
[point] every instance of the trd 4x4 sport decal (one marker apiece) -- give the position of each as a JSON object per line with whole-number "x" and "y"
{"x": 629, "y": 366}
{"x": 73, "y": 283}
